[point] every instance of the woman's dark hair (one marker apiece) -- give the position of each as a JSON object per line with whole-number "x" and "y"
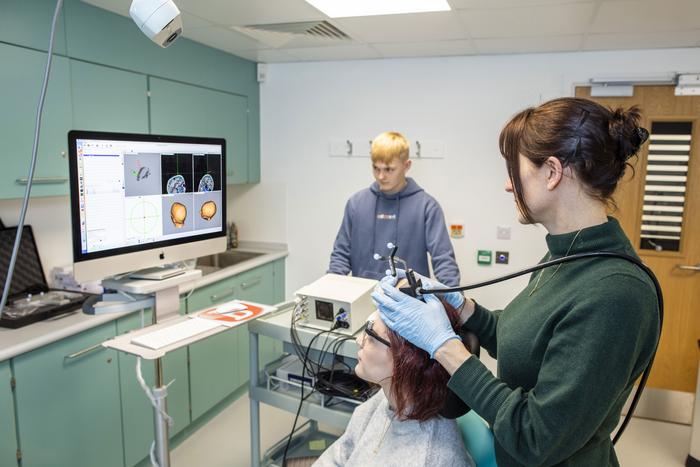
{"x": 419, "y": 383}
{"x": 595, "y": 141}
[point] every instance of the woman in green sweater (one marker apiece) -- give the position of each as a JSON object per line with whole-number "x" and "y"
{"x": 571, "y": 345}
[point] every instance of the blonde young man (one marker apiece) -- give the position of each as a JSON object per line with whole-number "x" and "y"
{"x": 393, "y": 209}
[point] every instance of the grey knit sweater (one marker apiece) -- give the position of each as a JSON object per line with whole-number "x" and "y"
{"x": 372, "y": 438}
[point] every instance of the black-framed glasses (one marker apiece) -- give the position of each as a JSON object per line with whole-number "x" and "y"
{"x": 370, "y": 332}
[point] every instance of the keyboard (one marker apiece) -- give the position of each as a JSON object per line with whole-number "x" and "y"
{"x": 167, "y": 336}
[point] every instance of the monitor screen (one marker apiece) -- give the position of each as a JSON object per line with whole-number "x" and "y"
{"x": 134, "y": 192}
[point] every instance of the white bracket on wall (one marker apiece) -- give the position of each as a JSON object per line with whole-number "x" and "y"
{"x": 357, "y": 147}
{"x": 360, "y": 147}
{"x": 427, "y": 149}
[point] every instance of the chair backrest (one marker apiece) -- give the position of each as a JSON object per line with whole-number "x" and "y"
{"x": 478, "y": 439}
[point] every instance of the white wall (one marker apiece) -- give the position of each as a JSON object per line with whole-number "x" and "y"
{"x": 463, "y": 101}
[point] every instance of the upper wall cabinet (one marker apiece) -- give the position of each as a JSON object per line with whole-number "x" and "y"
{"x": 21, "y": 77}
{"x": 28, "y": 23}
{"x": 181, "y": 109}
{"x": 107, "y": 99}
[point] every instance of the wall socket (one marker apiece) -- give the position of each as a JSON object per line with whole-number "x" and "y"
{"x": 503, "y": 232}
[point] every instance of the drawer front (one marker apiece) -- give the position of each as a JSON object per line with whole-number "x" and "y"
{"x": 68, "y": 402}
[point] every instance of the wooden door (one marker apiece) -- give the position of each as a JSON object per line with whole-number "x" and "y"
{"x": 659, "y": 209}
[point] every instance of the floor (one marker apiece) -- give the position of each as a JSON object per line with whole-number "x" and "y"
{"x": 225, "y": 440}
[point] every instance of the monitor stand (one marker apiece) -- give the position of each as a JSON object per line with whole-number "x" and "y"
{"x": 159, "y": 273}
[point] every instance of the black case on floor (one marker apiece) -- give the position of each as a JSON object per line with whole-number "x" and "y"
{"x": 30, "y": 298}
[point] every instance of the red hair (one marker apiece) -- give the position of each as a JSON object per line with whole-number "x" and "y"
{"x": 419, "y": 383}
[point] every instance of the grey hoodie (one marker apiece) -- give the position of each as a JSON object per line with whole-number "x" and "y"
{"x": 411, "y": 219}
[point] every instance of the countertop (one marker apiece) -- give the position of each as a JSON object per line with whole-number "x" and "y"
{"x": 15, "y": 342}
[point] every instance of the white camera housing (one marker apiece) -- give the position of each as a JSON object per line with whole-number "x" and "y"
{"x": 160, "y": 20}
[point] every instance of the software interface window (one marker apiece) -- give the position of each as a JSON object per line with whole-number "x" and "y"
{"x": 134, "y": 192}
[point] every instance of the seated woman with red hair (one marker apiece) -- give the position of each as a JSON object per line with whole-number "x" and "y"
{"x": 400, "y": 425}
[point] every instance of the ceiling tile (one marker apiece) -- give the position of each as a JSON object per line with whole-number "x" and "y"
{"x": 464, "y": 4}
{"x": 652, "y": 16}
{"x": 425, "y": 49}
{"x": 572, "y": 18}
{"x": 267, "y": 56}
{"x": 414, "y": 27}
{"x": 222, "y": 38}
{"x": 247, "y": 12}
{"x": 347, "y": 52}
{"x": 528, "y": 44}
{"x": 642, "y": 40}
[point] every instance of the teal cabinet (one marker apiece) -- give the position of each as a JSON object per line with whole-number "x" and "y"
{"x": 28, "y": 23}
{"x": 213, "y": 367}
{"x": 8, "y": 436}
{"x": 107, "y": 99}
{"x": 137, "y": 412}
{"x": 68, "y": 402}
{"x": 257, "y": 285}
{"x": 21, "y": 77}
{"x": 183, "y": 109}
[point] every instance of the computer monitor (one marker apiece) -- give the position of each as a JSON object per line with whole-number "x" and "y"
{"x": 140, "y": 201}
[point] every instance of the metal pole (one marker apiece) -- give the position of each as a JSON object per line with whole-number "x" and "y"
{"x": 160, "y": 393}
{"x": 254, "y": 404}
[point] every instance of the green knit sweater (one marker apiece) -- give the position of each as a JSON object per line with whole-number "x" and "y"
{"x": 568, "y": 355}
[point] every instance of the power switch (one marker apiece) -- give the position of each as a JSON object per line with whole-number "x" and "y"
{"x": 501, "y": 257}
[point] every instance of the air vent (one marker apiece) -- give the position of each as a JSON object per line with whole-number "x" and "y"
{"x": 317, "y": 29}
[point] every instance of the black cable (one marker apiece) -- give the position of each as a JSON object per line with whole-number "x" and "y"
{"x": 566, "y": 259}
{"x": 302, "y": 398}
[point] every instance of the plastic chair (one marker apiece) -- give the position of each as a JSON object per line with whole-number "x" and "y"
{"x": 478, "y": 439}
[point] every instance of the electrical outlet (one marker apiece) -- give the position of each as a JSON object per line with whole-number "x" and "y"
{"x": 502, "y": 257}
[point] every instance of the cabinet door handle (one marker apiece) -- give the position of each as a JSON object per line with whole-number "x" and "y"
{"x": 42, "y": 180}
{"x": 83, "y": 352}
{"x": 247, "y": 285}
{"x": 215, "y": 298}
{"x": 689, "y": 268}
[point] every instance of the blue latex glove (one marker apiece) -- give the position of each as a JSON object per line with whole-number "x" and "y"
{"x": 456, "y": 299}
{"x": 423, "y": 324}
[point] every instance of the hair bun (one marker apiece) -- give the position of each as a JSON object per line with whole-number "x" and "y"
{"x": 624, "y": 128}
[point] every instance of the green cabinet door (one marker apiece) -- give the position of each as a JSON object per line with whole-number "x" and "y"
{"x": 137, "y": 412}
{"x": 8, "y": 436}
{"x": 213, "y": 365}
{"x": 21, "y": 76}
{"x": 28, "y": 23}
{"x": 183, "y": 109}
{"x": 68, "y": 402}
{"x": 107, "y": 99}
{"x": 257, "y": 285}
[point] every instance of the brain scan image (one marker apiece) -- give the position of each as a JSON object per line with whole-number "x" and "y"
{"x": 178, "y": 214}
{"x": 208, "y": 210}
{"x": 143, "y": 173}
{"x": 206, "y": 183}
{"x": 176, "y": 184}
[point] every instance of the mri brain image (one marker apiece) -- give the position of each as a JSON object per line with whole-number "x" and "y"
{"x": 208, "y": 210}
{"x": 178, "y": 214}
{"x": 176, "y": 184}
{"x": 143, "y": 173}
{"x": 206, "y": 183}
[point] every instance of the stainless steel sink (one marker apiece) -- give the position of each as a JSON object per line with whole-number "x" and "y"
{"x": 226, "y": 259}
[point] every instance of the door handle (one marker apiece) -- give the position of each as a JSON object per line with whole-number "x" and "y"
{"x": 86, "y": 351}
{"x": 687, "y": 267}
{"x": 247, "y": 285}
{"x": 42, "y": 180}
{"x": 215, "y": 298}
